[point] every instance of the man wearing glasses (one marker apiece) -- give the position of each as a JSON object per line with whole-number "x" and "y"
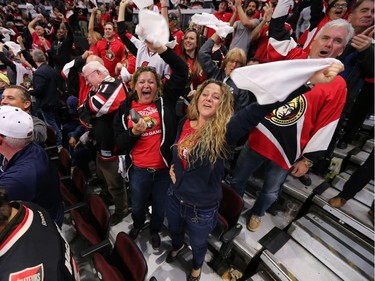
{"x": 336, "y": 9}
{"x": 96, "y": 113}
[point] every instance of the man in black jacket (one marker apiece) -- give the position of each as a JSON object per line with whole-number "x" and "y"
{"x": 45, "y": 91}
{"x": 61, "y": 49}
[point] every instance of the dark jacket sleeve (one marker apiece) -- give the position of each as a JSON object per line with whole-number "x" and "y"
{"x": 78, "y": 132}
{"x": 124, "y": 138}
{"x": 208, "y": 65}
{"x": 7, "y": 62}
{"x": 175, "y": 86}
{"x": 317, "y": 13}
{"x": 69, "y": 40}
{"x": 366, "y": 61}
{"x": 248, "y": 118}
{"x": 129, "y": 44}
{"x": 28, "y": 58}
{"x": 73, "y": 75}
{"x": 39, "y": 84}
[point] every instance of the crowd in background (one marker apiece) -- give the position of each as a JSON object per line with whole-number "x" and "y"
{"x": 79, "y": 67}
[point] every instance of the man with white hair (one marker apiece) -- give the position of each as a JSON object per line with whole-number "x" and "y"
{"x": 97, "y": 113}
{"x": 25, "y": 169}
{"x": 292, "y": 142}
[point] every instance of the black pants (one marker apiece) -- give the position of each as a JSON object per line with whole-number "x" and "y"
{"x": 363, "y": 104}
{"x": 359, "y": 178}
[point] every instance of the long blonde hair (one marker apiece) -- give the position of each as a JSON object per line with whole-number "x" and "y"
{"x": 209, "y": 141}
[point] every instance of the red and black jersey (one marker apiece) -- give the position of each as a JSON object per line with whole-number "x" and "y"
{"x": 34, "y": 248}
{"x": 111, "y": 53}
{"x": 99, "y": 109}
{"x": 302, "y": 127}
{"x": 107, "y": 99}
{"x": 305, "y": 125}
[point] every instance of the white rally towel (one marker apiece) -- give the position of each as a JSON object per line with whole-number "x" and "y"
{"x": 274, "y": 81}
{"x": 152, "y": 27}
{"x": 141, "y": 4}
{"x": 209, "y": 20}
{"x": 14, "y": 47}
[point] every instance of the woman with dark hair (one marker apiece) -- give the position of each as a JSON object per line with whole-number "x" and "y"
{"x": 190, "y": 48}
{"x": 147, "y": 141}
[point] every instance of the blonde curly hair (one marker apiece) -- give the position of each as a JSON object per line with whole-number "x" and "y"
{"x": 209, "y": 141}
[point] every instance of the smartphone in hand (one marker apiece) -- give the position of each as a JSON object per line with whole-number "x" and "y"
{"x": 134, "y": 115}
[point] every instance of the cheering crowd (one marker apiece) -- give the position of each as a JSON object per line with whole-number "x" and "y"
{"x": 160, "y": 109}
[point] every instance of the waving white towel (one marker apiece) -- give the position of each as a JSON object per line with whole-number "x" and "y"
{"x": 209, "y": 20}
{"x": 141, "y": 4}
{"x": 274, "y": 81}
{"x": 14, "y": 47}
{"x": 153, "y": 27}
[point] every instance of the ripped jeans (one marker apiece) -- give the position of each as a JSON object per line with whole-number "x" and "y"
{"x": 199, "y": 222}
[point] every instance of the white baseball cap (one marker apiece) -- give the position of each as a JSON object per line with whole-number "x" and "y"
{"x": 15, "y": 123}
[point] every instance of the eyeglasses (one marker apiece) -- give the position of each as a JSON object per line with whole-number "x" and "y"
{"x": 337, "y": 6}
{"x": 87, "y": 76}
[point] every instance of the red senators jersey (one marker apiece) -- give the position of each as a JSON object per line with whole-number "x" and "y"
{"x": 111, "y": 53}
{"x": 302, "y": 126}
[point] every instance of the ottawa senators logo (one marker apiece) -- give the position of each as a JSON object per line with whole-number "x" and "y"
{"x": 109, "y": 55}
{"x": 289, "y": 113}
{"x": 26, "y": 81}
{"x": 151, "y": 122}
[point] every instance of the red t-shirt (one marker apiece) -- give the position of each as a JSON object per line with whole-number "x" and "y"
{"x": 184, "y": 149}
{"x": 37, "y": 44}
{"x": 199, "y": 77}
{"x": 178, "y": 35}
{"x": 146, "y": 151}
{"x": 94, "y": 48}
{"x": 111, "y": 53}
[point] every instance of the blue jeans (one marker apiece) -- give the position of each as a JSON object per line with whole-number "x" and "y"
{"x": 199, "y": 221}
{"x": 274, "y": 176}
{"x": 49, "y": 117}
{"x": 145, "y": 183}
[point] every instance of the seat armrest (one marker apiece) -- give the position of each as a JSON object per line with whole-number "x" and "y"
{"x": 75, "y": 206}
{"x": 95, "y": 248}
{"x": 231, "y": 233}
